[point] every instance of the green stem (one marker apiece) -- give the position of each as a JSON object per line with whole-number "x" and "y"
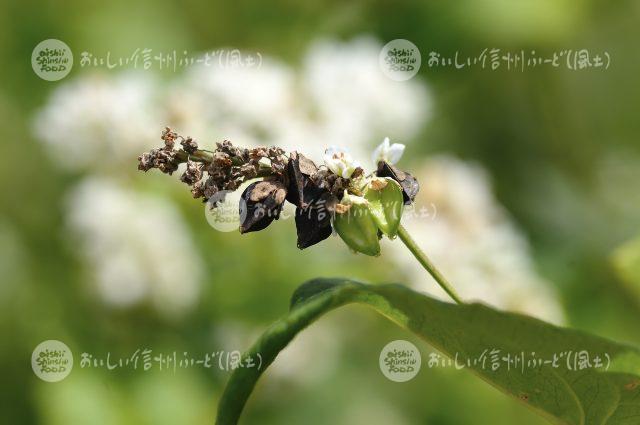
{"x": 427, "y": 264}
{"x": 197, "y": 156}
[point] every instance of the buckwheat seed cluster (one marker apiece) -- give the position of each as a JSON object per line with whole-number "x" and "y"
{"x": 335, "y": 195}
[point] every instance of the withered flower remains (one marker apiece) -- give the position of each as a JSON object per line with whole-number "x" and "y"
{"x": 334, "y": 196}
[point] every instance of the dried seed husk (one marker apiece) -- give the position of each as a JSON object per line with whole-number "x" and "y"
{"x": 313, "y": 223}
{"x": 315, "y": 205}
{"x": 409, "y": 184}
{"x": 301, "y": 189}
{"x": 260, "y": 204}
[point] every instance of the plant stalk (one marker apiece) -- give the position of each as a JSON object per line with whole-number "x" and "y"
{"x": 427, "y": 264}
{"x": 198, "y": 156}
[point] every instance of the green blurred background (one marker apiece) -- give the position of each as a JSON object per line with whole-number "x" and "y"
{"x": 559, "y": 149}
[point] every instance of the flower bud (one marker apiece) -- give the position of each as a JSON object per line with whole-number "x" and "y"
{"x": 356, "y": 226}
{"x": 340, "y": 162}
{"x": 385, "y": 199}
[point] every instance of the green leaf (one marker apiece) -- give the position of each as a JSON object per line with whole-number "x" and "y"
{"x": 386, "y": 205}
{"x": 588, "y": 396}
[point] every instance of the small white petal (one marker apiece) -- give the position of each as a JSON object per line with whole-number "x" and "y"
{"x": 390, "y": 153}
{"x": 378, "y": 154}
{"x": 395, "y": 153}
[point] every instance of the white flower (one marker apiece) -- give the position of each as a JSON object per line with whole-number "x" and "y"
{"x": 340, "y": 162}
{"x": 390, "y": 153}
{"x": 353, "y": 101}
{"x": 136, "y": 246}
{"x": 338, "y": 93}
{"x": 99, "y": 121}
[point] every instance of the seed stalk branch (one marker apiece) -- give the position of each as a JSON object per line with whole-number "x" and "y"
{"x": 427, "y": 264}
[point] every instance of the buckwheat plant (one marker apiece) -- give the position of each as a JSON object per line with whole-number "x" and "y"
{"x": 363, "y": 207}
{"x": 337, "y": 195}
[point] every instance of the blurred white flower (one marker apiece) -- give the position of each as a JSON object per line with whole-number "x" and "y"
{"x": 474, "y": 242}
{"x": 245, "y": 105}
{"x": 390, "y": 153}
{"x": 354, "y": 102}
{"x": 339, "y": 93}
{"x": 98, "y": 120}
{"x": 340, "y": 162}
{"x": 137, "y": 246}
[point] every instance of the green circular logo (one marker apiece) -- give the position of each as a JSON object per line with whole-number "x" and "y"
{"x": 52, "y": 59}
{"x": 52, "y": 360}
{"x": 400, "y": 59}
{"x": 222, "y": 211}
{"x": 400, "y": 361}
